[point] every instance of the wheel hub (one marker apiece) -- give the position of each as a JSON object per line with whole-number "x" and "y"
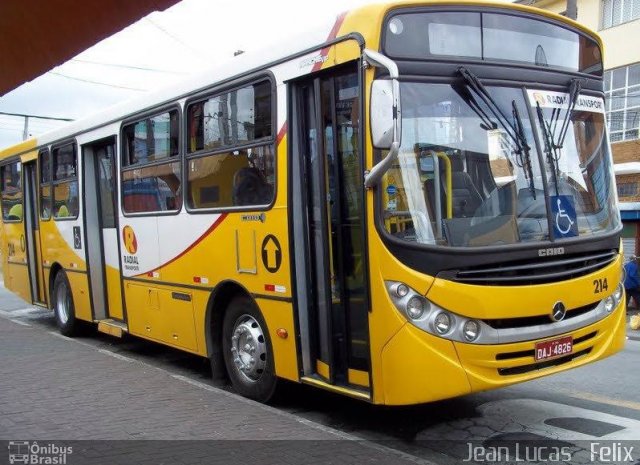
{"x": 248, "y": 348}
{"x": 62, "y": 304}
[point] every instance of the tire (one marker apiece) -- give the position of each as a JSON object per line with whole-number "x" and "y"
{"x": 247, "y": 350}
{"x": 63, "y": 307}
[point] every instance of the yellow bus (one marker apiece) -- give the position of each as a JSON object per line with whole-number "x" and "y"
{"x": 413, "y": 203}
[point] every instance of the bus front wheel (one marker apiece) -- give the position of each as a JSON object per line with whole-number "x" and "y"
{"x": 247, "y": 350}
{"x": 63, "y": 307}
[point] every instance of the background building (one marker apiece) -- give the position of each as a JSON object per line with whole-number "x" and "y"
{"x": 618, "y": 23}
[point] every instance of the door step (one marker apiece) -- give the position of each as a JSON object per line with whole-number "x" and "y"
{"x": 113, "y": 327}
{"x": 349, "y": 391}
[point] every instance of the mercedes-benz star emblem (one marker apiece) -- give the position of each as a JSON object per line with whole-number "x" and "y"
{"x": 559, "y": 312}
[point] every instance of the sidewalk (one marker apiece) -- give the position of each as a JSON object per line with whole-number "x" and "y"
{"x": 54, "y": 390}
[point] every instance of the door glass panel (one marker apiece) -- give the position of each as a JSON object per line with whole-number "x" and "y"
{"x": 347, "y": 126}
{"x": 314, "y": 173}
{"x": 106, "y": 170}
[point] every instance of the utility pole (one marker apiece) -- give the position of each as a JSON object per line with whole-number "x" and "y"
{"x": 25, "y": 132}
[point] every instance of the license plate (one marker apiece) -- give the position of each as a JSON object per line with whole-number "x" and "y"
{"x": 554, "y": 348}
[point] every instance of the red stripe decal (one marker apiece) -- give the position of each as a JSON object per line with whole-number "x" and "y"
{"x": 332, "y": 35}
{"x": 197, "y": 241}
{"x": 281, "y": 133}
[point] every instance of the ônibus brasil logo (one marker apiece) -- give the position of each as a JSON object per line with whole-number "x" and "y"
{"x": 129, "y": 240}
{"x": 33, "y": 453}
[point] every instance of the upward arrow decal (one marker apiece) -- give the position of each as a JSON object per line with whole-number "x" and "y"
{"x": 271, "y": 253}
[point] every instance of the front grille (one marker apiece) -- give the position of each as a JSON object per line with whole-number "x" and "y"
{"x": 542, "y": 365}
{"x": 531, "y": 352}
{"x": 534, "y": 271}
{"x": 523, "y": 322}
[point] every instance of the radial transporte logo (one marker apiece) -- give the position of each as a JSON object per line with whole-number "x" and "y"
{"x": 129, "y": 240}
{"x": 131, "y": 247}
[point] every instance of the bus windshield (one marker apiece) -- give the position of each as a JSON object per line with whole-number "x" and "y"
{"x": 469, "y": 175}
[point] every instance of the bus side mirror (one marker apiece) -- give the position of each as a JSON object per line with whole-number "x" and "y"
{"x": 382, "y": 113}
{"x": 385, "y": 116}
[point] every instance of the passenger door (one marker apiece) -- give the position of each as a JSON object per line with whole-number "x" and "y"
{"x": 32, "y": 233}
{"x": 328, "y": 214}
{"x": 100, "y": 204}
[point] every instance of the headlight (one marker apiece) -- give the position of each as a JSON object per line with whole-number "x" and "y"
{"x": 433, "y": 319}
{"x": 402, "y": 290}
{"x": 442, "y": 323}
{"x": 471, "y": 330}
{"x": 609, "y": 304}
{"x": 617, "y": 295}
{"x": 415, "y": 308}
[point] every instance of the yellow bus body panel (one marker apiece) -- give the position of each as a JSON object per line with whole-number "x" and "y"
{"x": 14, "y": 256}
{"x": 114, "y": 292}
{"x": 418, "y": 367}
{"x": 80, "y": 291}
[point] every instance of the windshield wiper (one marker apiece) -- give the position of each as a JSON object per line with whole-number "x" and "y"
{"x": 552, "y": 144}
{"x": 574, "y": 90}
{"x": 487, "y": 123}
{"x": 524, "y": 157}
{"x": 514, "y": 131}
{"x": 549, "y": 145}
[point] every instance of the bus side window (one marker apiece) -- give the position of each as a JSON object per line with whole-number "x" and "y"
{"x": 45, "y": 184}
{"x": 65, "y": 182}
{"x": 220, "y": 175}
{"x": 150, "y": 166}
{"x": 12, "y": 192}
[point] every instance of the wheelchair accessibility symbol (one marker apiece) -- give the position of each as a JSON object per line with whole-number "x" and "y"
{"x": 565, "y": 222}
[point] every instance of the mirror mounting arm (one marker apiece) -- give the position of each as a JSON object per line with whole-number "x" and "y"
{"x": 371, "y": 58}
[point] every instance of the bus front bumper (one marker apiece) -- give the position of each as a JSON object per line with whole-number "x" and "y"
{"x": 419, "y": 367}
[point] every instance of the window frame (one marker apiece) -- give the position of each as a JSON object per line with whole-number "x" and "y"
{"x": 55, "y": 182}
{"x": 623, "y": 110}
{"x": 48, "y": 183}
{"x": 612, "y": 22}
{"x": 272, "y": 140}
{"x": 178, "y": 158}
{"x": 4, "y": 164}
{"x": 631, "y": 185}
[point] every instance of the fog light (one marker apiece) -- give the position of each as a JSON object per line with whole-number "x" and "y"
{"x": 442, "y": 323}
{"x": 609, "y": 304}
{"x": 402, "y": 290}
{"x": 415, "y": 308}
{"x": 471, "y": 330}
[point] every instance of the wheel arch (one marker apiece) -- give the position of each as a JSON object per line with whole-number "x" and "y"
{"x": 53, "y": 272}
{"x": 218, "y": 302}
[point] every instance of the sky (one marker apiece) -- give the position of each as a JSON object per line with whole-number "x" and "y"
{"x": 156, "y": 51}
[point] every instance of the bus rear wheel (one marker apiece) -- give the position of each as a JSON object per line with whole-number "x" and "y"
{"x": 63, "y": 307}
{"x": 247, "y": 351}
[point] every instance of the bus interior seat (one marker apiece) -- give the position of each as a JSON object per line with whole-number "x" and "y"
{"x": 63, "y": 211}
{"x": 15, "y": 213}
{"x": 250, "y": 187}
{"x": 466, "y": 198}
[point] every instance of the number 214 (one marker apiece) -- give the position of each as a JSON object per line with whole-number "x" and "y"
{"x": 600, "y": 285}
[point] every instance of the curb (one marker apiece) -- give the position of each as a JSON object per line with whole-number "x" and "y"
{"x": 633, "y": 335}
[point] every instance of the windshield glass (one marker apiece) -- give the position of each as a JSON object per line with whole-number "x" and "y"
{"x": 464, "y": 176}
{"x": 577, "y": 163}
